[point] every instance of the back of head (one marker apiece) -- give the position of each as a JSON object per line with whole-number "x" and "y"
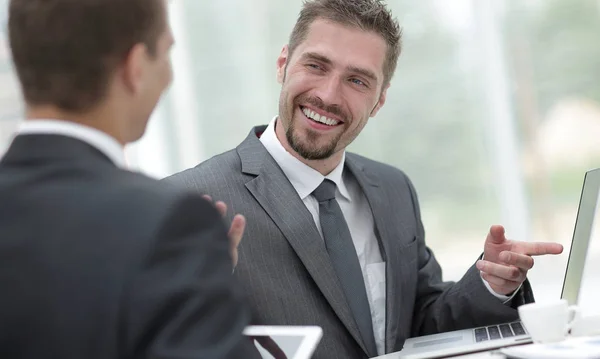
{"x": 68, "y": 53}
{"x": 367, "y": 15}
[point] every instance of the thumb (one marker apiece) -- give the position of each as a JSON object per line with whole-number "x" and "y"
{"x": 496, "y": 235}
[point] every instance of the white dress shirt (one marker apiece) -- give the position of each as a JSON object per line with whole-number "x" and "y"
{"x": 357, "y": 213}
{"x": 96, "y": 138}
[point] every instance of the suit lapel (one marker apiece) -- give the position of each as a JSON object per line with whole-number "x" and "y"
{"x": 378, "y": 202}
{"x": 279, "y": 199}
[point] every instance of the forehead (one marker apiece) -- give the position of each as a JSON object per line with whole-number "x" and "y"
{"x": 345, "y": 46}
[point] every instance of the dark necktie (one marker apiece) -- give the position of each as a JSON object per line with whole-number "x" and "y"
{"x": 342, "y": 253}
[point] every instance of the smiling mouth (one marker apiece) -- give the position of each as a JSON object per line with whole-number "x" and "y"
{"x": 313, "y": 116}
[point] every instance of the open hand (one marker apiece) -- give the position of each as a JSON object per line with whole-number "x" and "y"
{"x": 236, "y": 231}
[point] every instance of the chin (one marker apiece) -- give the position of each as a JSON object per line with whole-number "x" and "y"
{"x": 311, "y": 152}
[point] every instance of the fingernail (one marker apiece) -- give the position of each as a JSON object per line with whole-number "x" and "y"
{"x": 479, "y": 265}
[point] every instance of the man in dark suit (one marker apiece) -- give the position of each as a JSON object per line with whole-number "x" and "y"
{"x": 336, "y": 239}
{"x": 97, "y": 261}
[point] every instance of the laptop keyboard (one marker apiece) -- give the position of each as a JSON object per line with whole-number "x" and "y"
{"x": 499, "y": 331}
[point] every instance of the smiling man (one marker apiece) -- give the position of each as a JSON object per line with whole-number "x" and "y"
{"x": 335, "y": 239}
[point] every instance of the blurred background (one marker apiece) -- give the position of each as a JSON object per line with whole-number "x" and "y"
{"x": 494, "y": 112}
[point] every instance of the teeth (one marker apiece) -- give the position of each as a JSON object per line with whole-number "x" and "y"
{"x": 322, "y": 119}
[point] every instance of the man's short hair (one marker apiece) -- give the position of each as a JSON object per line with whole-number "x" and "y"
{"x": 368, "y": 15}
{"x": 65, "y": 51}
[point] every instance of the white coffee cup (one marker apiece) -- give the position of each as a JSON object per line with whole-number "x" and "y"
{"x": 548, "y": 322}
{"x": 586, "y": 326}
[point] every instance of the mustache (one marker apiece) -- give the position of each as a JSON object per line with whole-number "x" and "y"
{"x": 319, "y": 104}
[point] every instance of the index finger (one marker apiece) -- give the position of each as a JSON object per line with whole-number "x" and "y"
{"x": 537, "y": 248}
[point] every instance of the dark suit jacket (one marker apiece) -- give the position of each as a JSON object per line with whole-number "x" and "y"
{"x": 98, "y": 262}
{"x": 290, "y": 280}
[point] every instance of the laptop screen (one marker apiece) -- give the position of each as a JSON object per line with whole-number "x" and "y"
{"x": 589, "y": 291}
{"x": 587, "y": 226}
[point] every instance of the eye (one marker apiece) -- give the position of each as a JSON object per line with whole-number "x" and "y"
{"x": 314, "y": 66}
{"x": 358, "y": 82}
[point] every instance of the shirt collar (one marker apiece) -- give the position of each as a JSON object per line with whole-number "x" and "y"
{"x": 303, "y": 178}
{"x": 98, "y": 139}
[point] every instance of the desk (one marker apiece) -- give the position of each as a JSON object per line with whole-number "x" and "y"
{"x": 572, "y": 347}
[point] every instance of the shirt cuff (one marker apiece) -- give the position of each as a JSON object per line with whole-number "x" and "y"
{"x": 505, "y": 299}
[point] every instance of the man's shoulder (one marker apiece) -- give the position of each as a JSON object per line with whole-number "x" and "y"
{"x": 382, "y": 170}
{"x": 138, "y": 187}
{"x": 146, "y": 211}
{"x": 218, "y": 168}
{"x": 224, "y": 167}
{"x": 148, "y": 198}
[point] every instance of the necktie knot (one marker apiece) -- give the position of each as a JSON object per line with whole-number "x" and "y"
{"x": 325, "y": 191}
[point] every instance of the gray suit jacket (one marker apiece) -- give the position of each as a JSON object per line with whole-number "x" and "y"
{"x": 289, "y": 278}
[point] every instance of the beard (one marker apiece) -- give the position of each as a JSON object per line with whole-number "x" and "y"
{"x": 309, "y": 147}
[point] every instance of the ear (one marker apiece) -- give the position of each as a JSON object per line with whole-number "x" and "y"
{"x": 134, "y": 68}
{"x": 281, "y": 64}
{"x": 381, "y": 102}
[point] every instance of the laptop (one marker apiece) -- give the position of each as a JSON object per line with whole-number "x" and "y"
{"x": 285, "y": 342}
{"x": 473, "y": 340}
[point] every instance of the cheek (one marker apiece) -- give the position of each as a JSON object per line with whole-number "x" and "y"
{"x": 297, "y": 84}
{"x": 360, "y": 117}
{"x": 365, "y": 111}
{"x": 290, "y": 98}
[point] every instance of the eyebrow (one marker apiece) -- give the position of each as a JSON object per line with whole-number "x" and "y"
{"x": 317, "y": 57}
{"x": 364, "y": 72}
{"x": 324, "y": 59}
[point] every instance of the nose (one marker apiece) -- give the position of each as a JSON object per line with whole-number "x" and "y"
{"x": 329, "y": 90}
